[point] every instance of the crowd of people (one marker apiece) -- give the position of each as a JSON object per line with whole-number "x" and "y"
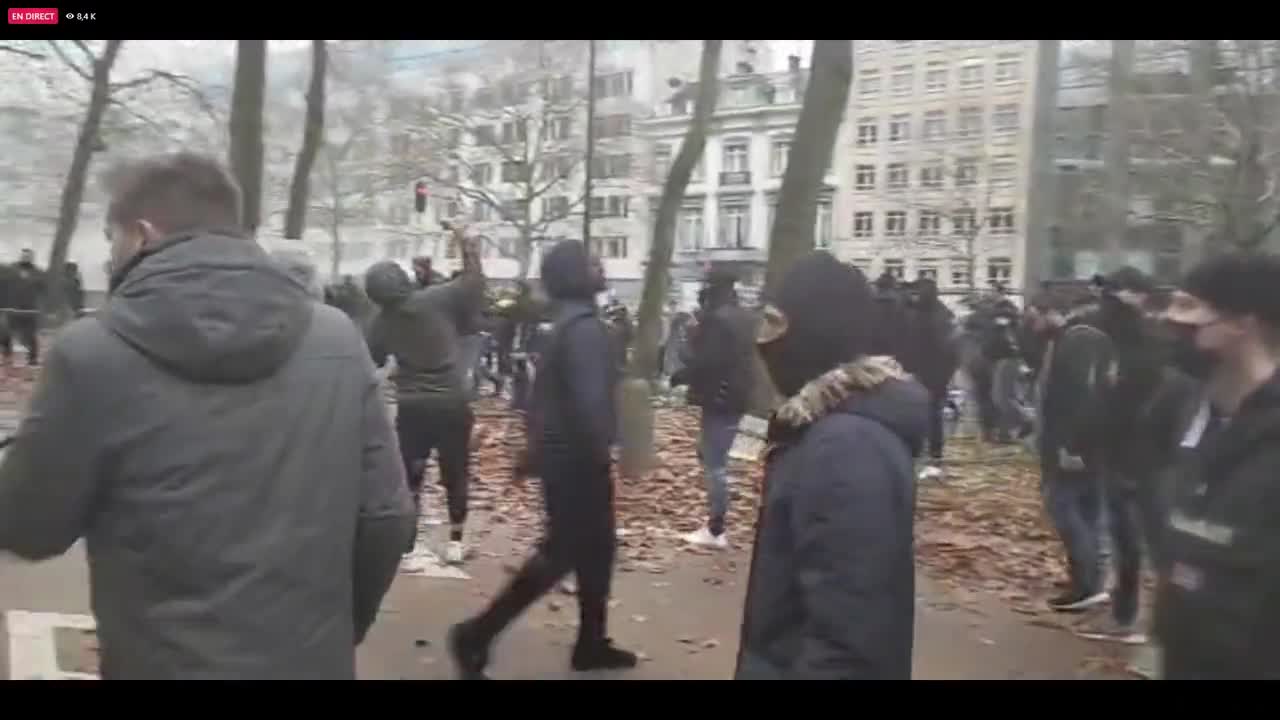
{"x": 218, "y": 434}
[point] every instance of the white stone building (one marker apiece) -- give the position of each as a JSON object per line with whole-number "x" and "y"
{"x": 729, "y": 206}
{"x": 934, "y": 160}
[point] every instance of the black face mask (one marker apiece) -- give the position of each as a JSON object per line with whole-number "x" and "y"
{"x": 1189, "y": 358}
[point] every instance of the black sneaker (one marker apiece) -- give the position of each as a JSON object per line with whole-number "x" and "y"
{"x": 469, "y": 656}
{"x": 1077, "y": 601}
{"x": 602, "y": 657}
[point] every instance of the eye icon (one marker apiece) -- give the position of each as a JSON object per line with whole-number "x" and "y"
{"x": 71, "y": 16}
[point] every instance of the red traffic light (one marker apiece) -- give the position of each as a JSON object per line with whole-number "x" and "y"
{"x": 420, "y": 196}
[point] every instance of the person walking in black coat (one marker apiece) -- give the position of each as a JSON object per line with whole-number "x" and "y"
{"x": 831, "y": 593}
{"x": 26, "y": 284}
{"x": 574, "y": 399}
{"x": 720, "y": 373}
{"x": 1216, "y": 614}
{"x": 931, "y": 359}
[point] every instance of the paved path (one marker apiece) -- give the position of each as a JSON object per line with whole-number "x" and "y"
{"x": 685, "y": 622}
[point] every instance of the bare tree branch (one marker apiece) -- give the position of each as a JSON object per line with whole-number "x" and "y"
{"x": 57, "y": 49}
{"x": 24, "y": 53}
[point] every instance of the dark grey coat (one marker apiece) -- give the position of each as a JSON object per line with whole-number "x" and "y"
{"x": 218, "y": 439}
{"x": 832, "y": 588}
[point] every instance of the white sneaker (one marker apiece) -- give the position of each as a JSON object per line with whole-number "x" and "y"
{"x": 702, "y": 537}
{"x": 454, "y": 552}
{"x": 931, "y": 472}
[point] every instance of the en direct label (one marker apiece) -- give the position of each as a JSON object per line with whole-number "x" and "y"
{"x": 33, "y": 16}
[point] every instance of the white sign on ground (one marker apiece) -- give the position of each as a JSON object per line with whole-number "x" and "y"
{"x": 33, "y": 644}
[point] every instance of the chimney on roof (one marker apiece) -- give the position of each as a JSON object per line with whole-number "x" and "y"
{"x": 793, "y": 63}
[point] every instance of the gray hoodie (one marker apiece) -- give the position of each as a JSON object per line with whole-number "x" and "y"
{"x": 217, "y": 438}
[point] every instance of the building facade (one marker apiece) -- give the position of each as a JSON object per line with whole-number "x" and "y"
{"x": 934, "y": 161}
{"x": 729, "y": 206}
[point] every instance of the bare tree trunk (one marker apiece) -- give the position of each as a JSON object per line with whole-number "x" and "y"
{"x": 1203, "y": 207}
{"x": 825, "y": 97}
{"x": 637, "y": 420}
{"x": 524, "y": 257}
{"x": 824, "y": 102}
{"x": 1043, "y": 172}
{"x": 295, "y": 218}
{"x": 246, "y": 126}
{"x": 73, "y": 187}
{"x": 335, "y": 266}
{"x": 1116, "y": 158}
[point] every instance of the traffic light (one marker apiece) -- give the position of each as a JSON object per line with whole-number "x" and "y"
{"x": 420, "y": 196}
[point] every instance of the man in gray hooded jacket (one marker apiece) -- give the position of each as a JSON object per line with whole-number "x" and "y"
{"x": 217, "y": 437}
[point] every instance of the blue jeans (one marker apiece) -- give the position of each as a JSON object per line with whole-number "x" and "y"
{"x": 1073, "y": 500}
{"x": 717, "y": 433}
{"x": 1124, "y": 520}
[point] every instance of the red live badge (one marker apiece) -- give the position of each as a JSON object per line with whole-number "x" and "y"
{"x": 33, "y": 16}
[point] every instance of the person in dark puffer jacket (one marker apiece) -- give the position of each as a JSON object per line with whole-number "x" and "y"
{"x": 574, "y": 403}
{"x": 720, "y": 373}
{"x": 831, "y": 593}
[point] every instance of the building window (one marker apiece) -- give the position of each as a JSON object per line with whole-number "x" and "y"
{"x": 822, "y": 232}
{"x": 514, "y": 131}
{"x": 735, "y": 225}
{"x": 869, "y": 83}
{"x": 736, "y": 156}
{"x": 999, "y": 270}
{"x": 555, "y": 208}
{"x": 482, "y": 174}
{"x": 485, "y": 135}
{"x": 558, "y": 90}
{"x": 935, "y": 125}
{"x": 608, "y": 126}
{"x": 689, "y": 229}
{"x": 864, "y": 224}
{"x": 935, "y": 78}
{"x": 927, "y": 269}
{"x": 868, "y": 127}
{"x": 513, "y": 171}
{"x": 898, "y": 176}
{"x": 661, "y": 162}
{"x": 398, "y": 248}
{"x": 1005, "y": 118}
{"x": 930, "y": 223}
{"x": 971, "y": 75}
{"x": 607, "y": 167}
{"x": 900, "y": 128}
{"x": 960, "y": 276}
{"x": 559, "y": 127}
{"x": 1001, "y": 220}
{"x": 901, "y": 83}
{"x": 610, "y": 247}
{"x": 613, "y": 85}
{"x": 931, "y": 176}
{"x": 697, "y": 172}
{"x": 773, "y": 214}
{"x": 970, "y": 122}
{"x": 966, "y": 172}
{"x": 964, "y": 222}
{"x": 895, "y": 268}
{"x": 480, "y": 212}
{"x": 779, "y": 153}
{"x": 1003, "y": 170}
{"x": 609, "y": 206}
{"x": 557, "y": 167}
{"x": 895, "y": 223}
{"x": 862, "y": 265}
{"x": 451, "y": 209}
{"x": 1008, "y": 69}
{"x": 864, "y": 177}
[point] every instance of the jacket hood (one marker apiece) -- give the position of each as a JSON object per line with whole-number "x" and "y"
{"x": 875, "y": 387}
{"x": 566, "y": 272}
{"x": 210, "y": 307}
{"x": 387, "y": 284}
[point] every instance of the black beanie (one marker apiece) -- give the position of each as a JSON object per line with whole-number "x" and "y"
{"x": 1239, "y": 284}
{"x": 830, "y": 316}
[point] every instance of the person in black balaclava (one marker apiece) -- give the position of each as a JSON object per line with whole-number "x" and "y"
{"x": 891, "y": 317}
{"x": 576, "y": 419}
{"x": 831, "y": 593}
